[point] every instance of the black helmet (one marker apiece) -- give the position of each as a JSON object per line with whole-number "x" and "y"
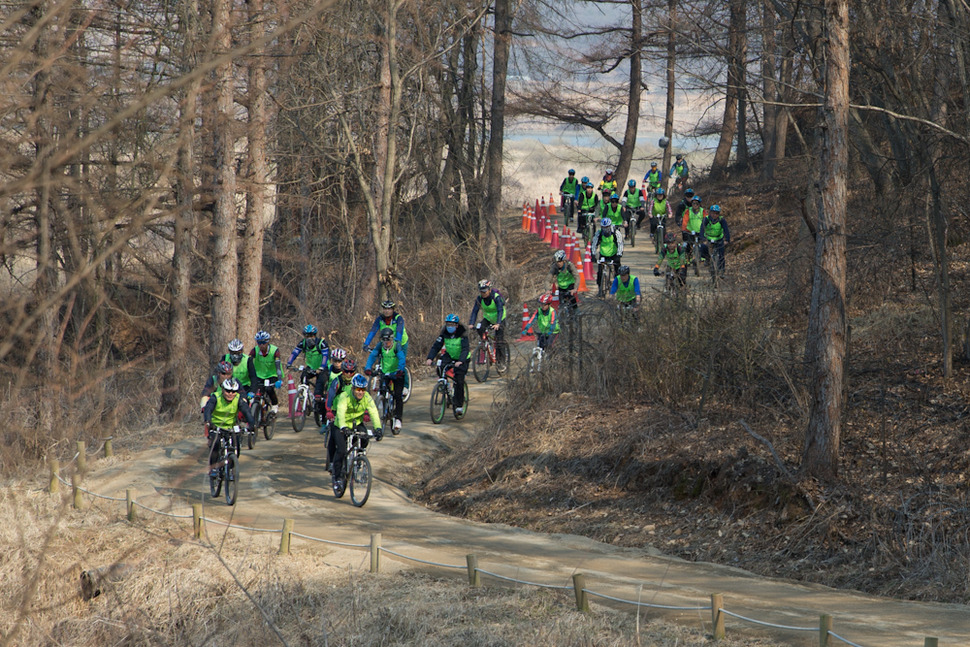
{"x": 386, "y": 333}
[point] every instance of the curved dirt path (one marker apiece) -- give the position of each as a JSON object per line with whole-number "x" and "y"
{"x": 284, "y": 478}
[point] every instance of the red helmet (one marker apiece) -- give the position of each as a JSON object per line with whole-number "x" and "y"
{"x": 348, "y": 366}
{"x": 545, "y": 299}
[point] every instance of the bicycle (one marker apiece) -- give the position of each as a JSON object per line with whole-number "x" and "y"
{"x": 674, "y": 284}
{"x": 261, "y": 412}
{"x": 487, "y": 355}
{"x": 607, "y": 275}
{"x": 631, "y": 230}
{"x": 380, "y": 386}
{"x": 226, "y": 470}
{"x": 406, "y": 394}
{"x": 658, "y": 238}
{"x": 443, "y": 393}
{"x": 587, "y": 228}
{"x": 694, "y": 251}
{"x": 303, "y": 400}
{"x": 569, "y": 206}
{"x": 357, "y": 474}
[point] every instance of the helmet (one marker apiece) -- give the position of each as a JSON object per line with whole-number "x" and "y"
{"x": 614, "y": 196}
{"x": 262, "y": 337}
{"x": 559, "y": 255}
{"x": 660, "y": 192}
{"x": 388, "y": 304}
{"x": 545, "y": 299}
{"x": 696, "y": 198}
{"x": 338, "y": 354}
{"x": 716, "y": 208}
{"x": 589, "y": 185}
{"x": 224, "y": 367}
{"x": 624, "y": 270}
{"x": 386, "y": 333}
{"x": 309, "y": 329}
{"x": 609, "y": 171}
{"x": 680, "y": 157}
{"x": 348, "y": 365}
{"x": 653, "y": 165}
{"x": 359, "y": 381}
{"x": 585, "y": 180}
{"x": 572, "y": 171}
{"x": 230, "y": 385}
{"x": 606, "y": 222}
{"x": 669, "y": 238}
{"x": 235, "y": 346}
{"x": 452, "y": 318}
{"x": 632, "y": 184}
{"x": 484, "y": 284}
{"x": 688, "y": 193}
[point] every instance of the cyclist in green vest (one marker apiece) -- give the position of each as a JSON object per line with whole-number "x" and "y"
{"x": 337, "y": 356}
{"x": 674, "y": 256}
{"x": 564, "y": 277}
{"x": 223, "y": 372}
{"x": 608, "y": 247}
{"x": 492, "y": 305}
{"x": 691, "y": 224}
{"x": 715, "y": 233}
{"x": 608, "y": 185}
{"x": 626, "y": 288}
{"x": 613, "y": 210}
{"x": 350, "y": 409}
{"x": 389, "y": 318}
{"x": 317, "y": 358}
{"x": 269, "y": 366}
{"x": 588, "y": 206}
{"x": 679, "y": 172}
{"x": 569, "y": 190}
{"x": 544, "y": 322}
{"x": 222, "y": 411}
{"x": 452, "y": 344}
{"x": 390, "y": 357}
{"x": 659, "y": 210}
{"x": 654, "y": 177}
{"x": 633, "y": 203}
{"x": 243, "y": 369}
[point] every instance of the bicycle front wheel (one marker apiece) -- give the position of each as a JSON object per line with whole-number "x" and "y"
{"x": 633, "y": 230}
{"x": 232, "y": 479}
{"x": 439, "y": 400}
{"x": 387, "y": 413}
{"x": 215, "y": 482}
{"x": 251, "y": 438}
{"x": 360, "y": 480}
{"x": 481, "y": 364}
{"x": 408, "y": 385}
{"x": 269, "y": 426}
{"x": 299, "y": 415}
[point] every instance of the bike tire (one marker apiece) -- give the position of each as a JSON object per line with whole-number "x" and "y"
{"x": 251, "y": 438}
{"x": 502, "y": 366}
{"x": 299, "y": 416}
{"x": 360, "y": 480}
{"x": 633, "y": 230}
{"x": 237, "y": 443}
{"x": 408, "y": 385}
{"x": 387, "y": 414}
{"x": 232, "y": 479}
{"x": 658, "y": 238}
{"x": 481, "y": 363}
{"x": 269, "y": 428}
{"x": 317, "y": 416}
{"x": 695, "y": 253}
{"x": 215, "y": 483}
{"x": 464, "y": 406}
{"x": 439, "y": 402}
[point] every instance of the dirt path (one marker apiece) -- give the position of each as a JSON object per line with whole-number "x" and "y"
{"x": 284, "y": 478}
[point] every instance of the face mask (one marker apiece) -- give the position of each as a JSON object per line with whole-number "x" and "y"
{"x": 451, "y": 329}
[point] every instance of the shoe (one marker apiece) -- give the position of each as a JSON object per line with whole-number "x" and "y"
{"x": 405, "y": 392}
{"x": 459, "y": 411}
{"x": 275, "y": 409}
{"x": 338, "y": 485}
{"x": 213, "y": 473}
{"x": 397, "y": 424}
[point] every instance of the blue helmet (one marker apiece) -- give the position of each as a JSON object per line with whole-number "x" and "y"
{"x": 585, "y": 181}
{"x": 689, "y": 193}
{"x": 660, "y": 192}
{"x": 614, "y": 196}
{"x": 696, "y": 198}
{"x": 262, "y": 337}
{"x": 452, "y": 318}
{"x": 606, "y": 222}
{"x": 632, "y": 184}
{"x": 359, "y": 381}
{"x": 716, "y": 208}
{"x": 310, "y": 329}
{"x": 572, "y": 171}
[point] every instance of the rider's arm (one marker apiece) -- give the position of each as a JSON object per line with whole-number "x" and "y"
{"x": 332, "y": 391}
{"x": 465, "y": 351}
{"x": 727, "y": 232}
{"x": 210, "y": 406}
{"x": 371, "y": 407}
{"x": 279, "y": 366}
{"x": 210, "y": 386}
{"x": 340, "y": 410}
{"x": 399, "y": 333}
{"x": 619, "y": 244}
{"x": 436, "y": 347}
{"x": 532, "y": 321}
{"x": 401, "y": 358}
{"x": 615, "y": 285}
{"x": 296, "y": 351}
{"x": 636, "y": 286}
{"x": 373, "y": 331}
{"x": 251, "y": 367}
{"x": 499, "y": 307}
{"x": 372, "y": 357}
{"x": 247, "y": 412}
{"x": 683, "y": 223}
{"x": 471, "y": 321}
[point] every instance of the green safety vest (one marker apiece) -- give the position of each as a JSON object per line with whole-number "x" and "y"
{"x": 564, "y": 278}
{"x": 608, "y": 212}
{"x": 547, "y": 322}
{"x": 453, "y": 348}
{"x": 569, "y": 185}
{"x": 632, "y": 199}
{"x": 653, "y": 178}
{"x": 587, "y": 202}
{"x": 608, "y": 246}
{"x": 490, "y": 311}
{"x": 314, "y": 358}
{"x": 625, "y": 292}
{"x": 714, "y": 230}
{"x": 266, "y": 364}
{"x": 389, "y": 359}
{"x": 240, "y": 371}
{"x": 675, "y": 260}
{"x": 694, "y": 220}
{"x": 611, "y": 184}
{"x": 660, "y": 207}
{"x": 393, "y": 326}
{"x": 350, "y": 411}
{"x": 224, "y": 415}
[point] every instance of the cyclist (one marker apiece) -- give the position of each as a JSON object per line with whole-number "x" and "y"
{"x": 326, "y": 377}
{"x": 674, "y": 256}
{"x": 223, "y": 411}
{"x": 654, "y": 177}
{"x": 608, "y": 185}
{"x": 544, "y": 323}
{"x": 389, "y": 356}
{"x": 626, "y": 288}
{"x": 452, "y": 344}
{"x": 222, "y": 373}
{"x": 268, "y": 365}
{"x": 493, "y": 310}
{"x": 339, "y": 384}
{"x": 242, "y": 366}
{"x": 691, "y": 223}
{"x": 350, "y": 409}
{"x": 564, "y": 277}
{"x": 613, "y": 210}
{"x": 684, "y": 204}
{"x": 389, "y": 318}
{"x": 316, "y": 349}
{"x": 679, "y": 171}
{"x": 659, "y": 210}
{"x": 633, "y": 203}
{"x": 589, "y": 205}
{"x": 568, "y": 189}
{"x": 608, "y": 247}
{"x": 715, "y": 233}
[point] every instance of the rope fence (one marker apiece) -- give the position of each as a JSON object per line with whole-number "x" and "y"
{"x": 582, "y": 594}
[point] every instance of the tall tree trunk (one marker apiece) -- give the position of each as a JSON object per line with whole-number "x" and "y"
{"x": 740, "y": 76}
{"x": 671, "y": 61}
{"x": 827, "y": 326}
{"x": 729, "y": 125}
{"x": 633, "y": 96}
{"x": 492, "y": 244}
{"x": 225, "y": 283}
{"x": 768, "y": 90}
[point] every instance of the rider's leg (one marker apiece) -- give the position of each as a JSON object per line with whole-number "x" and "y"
{"x": 339, "y": 442}
{"x": 397, "y": 389}
{"x": 459, "y": 397}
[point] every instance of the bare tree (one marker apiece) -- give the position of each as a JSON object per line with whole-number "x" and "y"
{"x": 735, "y": 79}
{"x": 494, "y": 255}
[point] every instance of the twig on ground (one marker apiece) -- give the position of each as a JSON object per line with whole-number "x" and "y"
{"x": 778, "y": 461}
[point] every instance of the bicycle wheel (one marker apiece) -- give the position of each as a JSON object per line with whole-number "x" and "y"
{"x": 251, "y": 438}
{"x": 215, "y": 482}
{"x": 299, "y": 415}
{"x": 633, "y": 230}
{"x": 408, "y": 385}
{"x": 317, "y": 416}
{"x": 360, "y": 480}
{"x": 269, "y": 426}
{"x": 387, "y": 413}
{"x": 237, "y": 442}
{"x": 658, "y": 239}
{"x": 439, "y": 401}
{"x": 481, "y": 363}
{"x": 232, "y": 479}
{"x": 501, "y": 357}
{"x": 464, "y": 406}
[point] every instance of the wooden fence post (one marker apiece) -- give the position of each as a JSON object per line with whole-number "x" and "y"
{"x": 55, "y": 484}
{"x": 129, "y": 505}
{"x": 824, "y": 627}
{"x": 76, "y": 491}
{"x": 285, "y": 537}
{"x": 197, "y": 527}
{"x": 930, "y": 641}
{"x": 109, "y": 449}
{"x": 717, "y": 618}
{"x": 474, "y": 578}
{"x": 82, "y": 459}
{"x": 375, "y": 552}
{"x": 579, "y": 583}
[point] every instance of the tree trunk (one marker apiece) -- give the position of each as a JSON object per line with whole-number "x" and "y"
{"x": 671, "y": 61}
{"x": 722, "y": 155}
{"x": 633, "y": 95}
{"x": 827, "y": 326}
{"x": 225, "y": 283}
{"x": 769, "y": 90}
{"x": 740, "y": 76}
{"x": 492, "y": 244}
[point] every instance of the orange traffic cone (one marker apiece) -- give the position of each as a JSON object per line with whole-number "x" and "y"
{"x": 568, "y": 244}
{"x": 541, "y": 226}
{"x": 588, "y": 263}
{"x": 525, "y": 217}
{"x": 291, "y": 394}
{"x": 552, "y": 206}
{"x": 554, "y": 239}
{"x": 533, "y": 226}
{"x": 542, "y": 206}
{"x": 555, "y": 299}
{"x": 525, "y": 322}
{"x": 577, "y": 256}
{"x": 547, "y": 234}
{"x": 582, "y": 283}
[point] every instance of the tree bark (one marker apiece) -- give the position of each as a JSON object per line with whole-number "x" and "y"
{"x": 671, "y": 88}
{"x": 769, "y": 90}
{"x": 729, "y": 124}
{"x": 827, "y": 325}
{"x": 633, "y": 95}
{"x": 740, "y": 66}
{"x": 492, "y": 243}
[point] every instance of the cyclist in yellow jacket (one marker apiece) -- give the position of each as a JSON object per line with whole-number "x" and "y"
{"x": 351, "y": 408}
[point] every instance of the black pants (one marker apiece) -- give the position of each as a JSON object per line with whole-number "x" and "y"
{"x": 270, "y": 392}
{"x": 567, "y": 296}
{"x": 460, "y": 373}
{"x": 396, "y": 386}
{"x": 337, "y": 449}
{"x": 615, "y": 261}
